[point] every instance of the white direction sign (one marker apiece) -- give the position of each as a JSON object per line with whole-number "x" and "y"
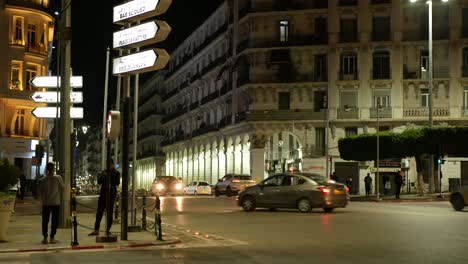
{"x": 140, "y": 10}
{"x": 51, "y": 97}
{"x": 51, "y": 112}
{"x": 141, "y": 35}
{"x": 145, "y": 61}
{"x": 52, "y": 82}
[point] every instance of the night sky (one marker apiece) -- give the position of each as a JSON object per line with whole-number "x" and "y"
{"x": 92, "y": 33}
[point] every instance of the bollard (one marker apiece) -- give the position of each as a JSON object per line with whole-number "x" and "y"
{"x": 74, "y": 220}
{"x": 143, "y": 212}
{"x": 157, "y": 220}
{"x": 117, "y": 203}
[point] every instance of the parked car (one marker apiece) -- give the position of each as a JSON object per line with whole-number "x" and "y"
{"x": 303, "y": 191}
{"x": 231, "y": 184}
{"x": 459, "y": 199}
{"x": 198, "y": 187}
{"x": 167, "y": 185}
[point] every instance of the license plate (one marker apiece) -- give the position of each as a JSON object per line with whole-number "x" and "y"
{"x": 339, "y": 192}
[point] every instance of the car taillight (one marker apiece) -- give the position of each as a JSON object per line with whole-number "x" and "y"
{"x": 347, "y": 189}
{"x": 235, "y": 180}
{"x": 252, "y": 181}
{"x": 324, "y": 190}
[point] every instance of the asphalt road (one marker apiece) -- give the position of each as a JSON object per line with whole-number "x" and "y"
{"x": 364, "y": 232}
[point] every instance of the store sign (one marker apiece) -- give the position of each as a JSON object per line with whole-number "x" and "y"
{"x": 141, "y": 35}
{"x": 145, "y": 61}
{"x": 139, "y": 10}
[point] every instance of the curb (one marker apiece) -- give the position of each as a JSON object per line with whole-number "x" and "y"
{"x": 96, "y": 246}
{"x": 403, "y": 200}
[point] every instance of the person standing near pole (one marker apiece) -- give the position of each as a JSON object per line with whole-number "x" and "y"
{"x": 368, "y": 184}
{"x": 114, "y": 182}
{"x": 398, "y": 183}
{"x": 50, "y": 190}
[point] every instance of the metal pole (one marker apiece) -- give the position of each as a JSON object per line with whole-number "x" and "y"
{"x": 378, "y": 153}
{"x": 327, "y": 128}
{"x": 125, "y": 171}
{"x": 431, "y": 122}
{"x": 104, "y": 113}
{"x": 65, "y": 114}
{"x": 117, "y": 107}
{"x": 135, "y": 142}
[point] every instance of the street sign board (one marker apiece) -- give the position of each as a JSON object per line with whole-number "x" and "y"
{"x": 113, "y": 124}
{"x": 141, "y": 35}
{"x": 139, "y": 10}
{"x": 51, "y": 97}
{"x": 52, "y": 82}
{"x": 51, "y": 112}
{"x": 145, "y": 61}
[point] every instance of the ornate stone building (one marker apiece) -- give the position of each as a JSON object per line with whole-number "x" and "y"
{"x": 26, "y": 36}
{"x": 248, "y": 91}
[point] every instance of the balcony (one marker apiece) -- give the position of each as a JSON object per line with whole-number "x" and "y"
{"x": 225, "y": 121}
{"x": 280, "y": 115}
{"x": 33, "y": 4}
{"x": 36, "y": 49}
{"x": 194, "y": 105}
{"x": 347, "y": 37}
{"x": 377, "y": 2}
{"x": 210, "y": 97}
{"x": 298, "y": 40}
{"x": 150, "y": 153}
{"x": 464, "y": 111}
{"x": 349, "y": 76}
{"x": 153, "y": 132}
{"x": 203, "y": 130}
{"x": 348, "y": 113}
{"x": 424, "y": 111}
{"x": 383, "y": 113}
{"x": 210, "y": 38}
{"x": 348, "y": 2}
{"x": 381, "y": 36}
{"x": 173, "y": 115}
{"x": 279, "y": 77}
{"x": 143, "y": 116}
{"x": 282, "y": 5}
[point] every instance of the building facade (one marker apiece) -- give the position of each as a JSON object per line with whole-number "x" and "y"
{"x": 26, "y": 36}
{"x": 264, "y": 86}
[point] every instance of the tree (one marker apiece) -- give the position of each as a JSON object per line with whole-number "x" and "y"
{"x": 417, "y": 143}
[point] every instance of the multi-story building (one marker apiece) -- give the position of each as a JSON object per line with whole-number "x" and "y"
{"x": 248, "y": 91}
{"x": 26, "y": 36}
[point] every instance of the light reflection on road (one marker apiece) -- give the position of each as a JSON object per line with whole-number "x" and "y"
{"x": 166, "y": 203}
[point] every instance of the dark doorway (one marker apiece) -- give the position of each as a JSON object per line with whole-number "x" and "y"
{"x": 345, "y": 170}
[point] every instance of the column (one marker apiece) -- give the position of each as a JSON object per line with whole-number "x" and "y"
{"x": 245, "y": 160}
{"x": 257, "y": 164}
{"x": 207, "y": 160}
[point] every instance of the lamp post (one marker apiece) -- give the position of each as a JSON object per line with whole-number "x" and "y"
{"x": 377, "y": 177}
{"x": 430, "y": 85}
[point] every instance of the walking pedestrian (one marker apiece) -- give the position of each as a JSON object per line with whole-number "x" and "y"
{"x": 398, "y": 183}
{"x": 368, "y": 184}
{"x": 50, "y": 191}
{"x": 114, "y": 182}
{"x": 349, "y": 183}
{"x": 22, "y": 186}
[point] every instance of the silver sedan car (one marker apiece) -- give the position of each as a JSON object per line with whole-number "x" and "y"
{"x": 303, "y": 191}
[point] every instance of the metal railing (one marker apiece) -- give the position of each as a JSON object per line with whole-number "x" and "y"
{"x": 385, "y": 112}
{"x": 424, "y": 111}
{"x": 348, "y": 113}
{"x": 293, "y": 114}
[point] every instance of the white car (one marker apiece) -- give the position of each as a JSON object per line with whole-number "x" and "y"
{"x": 198, "y": 187}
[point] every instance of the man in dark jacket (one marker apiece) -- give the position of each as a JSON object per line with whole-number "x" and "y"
{"x": 368, "y": 184}
{"x": 398, "y": 183}
{"x": 114, "y": 182}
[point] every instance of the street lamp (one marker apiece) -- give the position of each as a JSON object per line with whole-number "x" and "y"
{"x": 379, "y": 108}
{"x": 430, "y": 84}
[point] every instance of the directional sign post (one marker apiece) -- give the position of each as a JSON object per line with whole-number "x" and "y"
{"x": 51, "y": 97}
{"x": 139, "y": 10}
{"x": 145, "y": 61}
{"x": 51, "y": 112}
{"x": 52, "y": 82}
{"x": 141, "y": 35}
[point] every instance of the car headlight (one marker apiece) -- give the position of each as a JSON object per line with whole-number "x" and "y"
{"x": 178, "y": 186}
{"x": 159, "y": 186}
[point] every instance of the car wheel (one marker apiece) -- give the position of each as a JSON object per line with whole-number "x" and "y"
{"x": 248, "y": 204}
{"x": 228, "y": 192}
{"x": 216, "y": 192}
{"x": 328, "y": 210}
{"x": 457, "y": 201}
{"x": 304, "y": 205}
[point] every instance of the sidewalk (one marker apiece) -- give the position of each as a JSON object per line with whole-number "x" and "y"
{"x": 25, "y": 235}
{"x": 403, "y": 198}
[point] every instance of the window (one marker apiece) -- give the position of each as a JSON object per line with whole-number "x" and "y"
{"x": 348, "y": 31}
{"x": 348, "y": 99}
{"x": 43, "y": 41}
{"x": 16, "y": 75}
{"x": 283, "y": 100}
{"x": 381, "y": 65}
{"x": 321, "y": 27}
{"x": 19, "y": 122}
{"x": 320, "y": 70}
{"x": 272, "y": 181}
{"x": 290, "y": 181}
{"x": 381, "y": 98}
{"x": 465, "y": 63}
{"x": 465, "y": 98}
{"x": 381, "y": 28}
{"x": 284, "y": 31}
{"x": 424, "y": 64}
{"x": 320, "y": 140}
{"x": 349, "y": 66}
{"x": 31, "y": 35}
{"x": 424, "y": 97}
{"x": 320, "y": 100}
{"x": 351, "y": 131}
{"x": 465, "y": 22}
{"x": 18, "y": 30}
{"x": 31, "y": 72}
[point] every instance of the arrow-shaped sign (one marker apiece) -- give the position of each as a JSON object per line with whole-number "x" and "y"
{"x": 139, "y": 10}
{"x": 142, "y": 35}
{"x": 51, "y": 97}
{"x": 52, "y": 82}
{"x": 145, "y": 61}
{"x": 51, "y": 112}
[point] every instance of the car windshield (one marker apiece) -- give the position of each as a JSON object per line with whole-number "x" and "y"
{"x": 203, "y": 184}
{"x": 243, "y": 177}
{"x": 166, "y": 179}
{"x": 317, "y": 178}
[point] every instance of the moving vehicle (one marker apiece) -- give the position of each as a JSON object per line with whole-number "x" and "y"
{"x": 198, "y": 187}
{"x": 232, "y": 184}
{"x": 167, "y": 185}
{"x": 303, "y": 191}
{"x": 459, "y": 199}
